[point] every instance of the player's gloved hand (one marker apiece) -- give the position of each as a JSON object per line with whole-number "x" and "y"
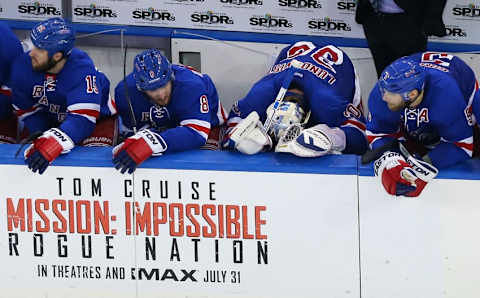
{"x": 315, "y": 141}
{"x": 136, "y": 149}
{"x": 46, "y": 149}
{"x": 248, "y": 136}
{"x": 425, "y": 135}
{"x": 403, "y": 177}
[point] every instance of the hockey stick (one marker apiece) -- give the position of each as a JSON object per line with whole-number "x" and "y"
{"x": 127, "y": 96}
{"x": 294, "y": 64}
{"x": 29, "y": 139}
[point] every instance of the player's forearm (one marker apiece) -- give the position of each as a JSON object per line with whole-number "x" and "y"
{"x": 356, "y": 143}
{"x": 182, "y": 138}
{"x": 77, "y": 127}
{"x": 447, "y": 154}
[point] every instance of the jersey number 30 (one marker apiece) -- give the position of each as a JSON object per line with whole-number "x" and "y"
{"x": 328, "y": 56}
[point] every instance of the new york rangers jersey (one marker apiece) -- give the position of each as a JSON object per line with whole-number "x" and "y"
{"x": 447, "y": 105}
{"x": 10, "y": 49}
{"x": 185, "y": 123}
{"x": 330, "y": 85}
{"x": 70, "y": 100}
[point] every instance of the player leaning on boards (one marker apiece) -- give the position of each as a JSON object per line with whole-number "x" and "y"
{"x": 427, "y": 102}
{"x": 57, "y": 93}
{"x": 175, "y": 107}
{"x": 10, "y": 48}
{"x": 319, "y": 114}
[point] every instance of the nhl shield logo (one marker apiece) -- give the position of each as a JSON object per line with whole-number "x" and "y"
{"x": 152, "y": 74}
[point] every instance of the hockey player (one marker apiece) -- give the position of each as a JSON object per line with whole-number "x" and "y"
{"x": 323, "y": 97}
{"x": 175, "y": 108}
{"x": 57, "y": 92}
{"x": 10, "y": 48}
{"x": 426, "y": 101}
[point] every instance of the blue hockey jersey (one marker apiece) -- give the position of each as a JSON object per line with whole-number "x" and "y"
{"x": 186, "y": 121}
{"x": 450, "y": 88}
{"x": 330, "y": 85}
{"x": 70, "y": 100}
{"x": 10, "y": 48}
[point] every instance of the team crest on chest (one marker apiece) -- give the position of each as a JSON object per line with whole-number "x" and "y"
{"x": 43, "y": 101}
{"x": 158, "y": 113}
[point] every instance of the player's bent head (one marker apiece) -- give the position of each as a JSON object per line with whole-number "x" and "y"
{"x": 41, "y": 60}
{"x": 402, "y": 83}
{"x": 53, "y": 35}
{"x": 290, "y": 112}
{"x": 161, "y": 96}
{"x": 151, "y": 70}
{"x": 53, "y": 40}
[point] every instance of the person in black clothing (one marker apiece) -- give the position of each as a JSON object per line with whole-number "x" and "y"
{"x": 397, "y": 28}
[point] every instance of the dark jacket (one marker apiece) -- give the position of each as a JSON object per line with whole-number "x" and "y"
{"x": 426, "y": 13}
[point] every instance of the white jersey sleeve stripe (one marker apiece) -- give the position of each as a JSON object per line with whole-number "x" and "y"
{"x": 84, "y": 106}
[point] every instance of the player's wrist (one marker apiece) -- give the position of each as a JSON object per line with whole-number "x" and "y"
{"x": 63, "y": 140}
{"x": 154, "y": 141}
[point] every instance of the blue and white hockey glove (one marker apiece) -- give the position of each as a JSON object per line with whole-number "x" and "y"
{"x": 316, "y": 141}
{"x": 136, "y": 149}
{"x": 248, "y": 136}
{"x": 46, "y": 149}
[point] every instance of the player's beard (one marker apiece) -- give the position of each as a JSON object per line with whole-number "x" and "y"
{"x": 46, "y": 66}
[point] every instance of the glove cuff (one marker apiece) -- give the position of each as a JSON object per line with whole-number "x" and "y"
{"x": 62, "y": 139}
{"x": 156, "y": 143}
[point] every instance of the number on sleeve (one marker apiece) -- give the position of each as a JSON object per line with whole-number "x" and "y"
{"x": 91, "y": 84}
{"x": 204, "y": 104}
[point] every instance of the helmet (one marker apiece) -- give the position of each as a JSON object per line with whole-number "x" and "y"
{"x": 402, "y": 76}
{"x": 288, "y": 113}
{"x": 151, "y": 70}
{"x": 53, "y": 35}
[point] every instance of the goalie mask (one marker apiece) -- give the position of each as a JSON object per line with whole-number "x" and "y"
{"x": 289, "y": 112}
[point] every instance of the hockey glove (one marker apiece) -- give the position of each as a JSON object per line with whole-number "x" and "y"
{"x": 315, "y": 141}
{"x": 248, "y": 136}
{"x": 425, "y": 135}
{"x": 136, "y": 149}
{"x": 46, "y": 149}
{"x": 403, "y": 177}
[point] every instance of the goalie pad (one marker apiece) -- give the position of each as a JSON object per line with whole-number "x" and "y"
{"x": 249, "y": 135}
{"x": 315, "y": 141}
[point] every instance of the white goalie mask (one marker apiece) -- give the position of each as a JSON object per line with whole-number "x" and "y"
{"x": 288, "y": 113}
